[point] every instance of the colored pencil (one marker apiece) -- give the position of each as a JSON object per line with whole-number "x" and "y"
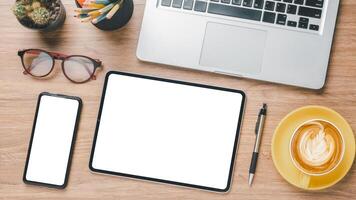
{"x": 84, "y": 10}
{"x": 86, "y": 19}
{"x": 99, "y": 19}
{"x": 95, "y": 12}
{"x": 113, "y": 11}
{"x": 81, "y": 15}
{"x": 107, "y": 8}
{"x": 80, "y": 2}
{"x": 101, "y": 1}
{"x": 93, "y": 5}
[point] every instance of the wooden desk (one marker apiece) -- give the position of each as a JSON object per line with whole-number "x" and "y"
{"x": 18, "y": 95}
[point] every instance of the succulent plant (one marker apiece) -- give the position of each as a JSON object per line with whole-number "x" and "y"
{"x": 19, "y": 10}
{"x": 35, "y": 4}
{"x": 28, "y": 8}
{"x": 40, "y": 16}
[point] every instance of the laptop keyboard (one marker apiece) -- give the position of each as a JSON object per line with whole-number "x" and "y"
{"x": 298, "y": 14}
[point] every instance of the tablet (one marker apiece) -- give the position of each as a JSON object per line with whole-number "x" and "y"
{"x": 167, "y": 131}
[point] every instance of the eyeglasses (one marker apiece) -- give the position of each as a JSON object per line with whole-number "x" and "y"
{"x": 76, "y": 68}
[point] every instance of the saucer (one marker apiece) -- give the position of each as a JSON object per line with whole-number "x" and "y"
{"x": 280, "y": 147}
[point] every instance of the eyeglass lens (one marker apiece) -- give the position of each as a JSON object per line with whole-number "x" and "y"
{"x": 78, "y": 68}
{"x": 37, "y": 63}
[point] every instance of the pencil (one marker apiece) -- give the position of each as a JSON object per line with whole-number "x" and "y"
{"x": 113, "y": 11}
{"x": 89, "y": 18}
{"x": 99, "y": 19}
{"x": 100, "y": 1}
{"x": 93, "y": 5}
{"x": 83, "y": 10}
{"x": 86, "y": 19}
{"x": 80, "y": 2}
{"x": 81, "y": 15}
{"x": 93, "y": 13}
{"x": 107, "y": 8}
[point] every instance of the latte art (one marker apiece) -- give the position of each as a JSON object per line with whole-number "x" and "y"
{"x": 316, "y": 147}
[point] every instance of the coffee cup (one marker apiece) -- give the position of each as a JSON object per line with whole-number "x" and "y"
{"x": 316, "y": 148}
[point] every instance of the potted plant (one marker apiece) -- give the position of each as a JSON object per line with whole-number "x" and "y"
{"x": 45, "y": 15}
{"x": 105, "y": 14}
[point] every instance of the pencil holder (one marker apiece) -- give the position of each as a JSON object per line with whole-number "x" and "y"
{"x": 119, "y": 19}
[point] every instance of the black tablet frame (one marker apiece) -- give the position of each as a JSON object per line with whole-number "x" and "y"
{"x": 161, "y": 180}
{"x": 80, "y": 104}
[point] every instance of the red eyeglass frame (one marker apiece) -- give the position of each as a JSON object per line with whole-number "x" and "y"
{"x": 59, "y": 56}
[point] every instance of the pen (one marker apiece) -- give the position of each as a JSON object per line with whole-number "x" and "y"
{"x": 258, "y": 131}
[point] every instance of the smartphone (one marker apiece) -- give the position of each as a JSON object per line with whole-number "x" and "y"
{"x": 52, "y": 140}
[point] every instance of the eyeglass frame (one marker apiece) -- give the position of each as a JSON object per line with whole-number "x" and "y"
{"x": 59, "y": 56}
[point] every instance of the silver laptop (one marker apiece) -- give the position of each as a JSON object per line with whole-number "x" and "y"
{"x": 281, "y": 41}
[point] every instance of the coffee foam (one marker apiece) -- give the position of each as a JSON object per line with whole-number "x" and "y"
{"x": 316, "y": 147}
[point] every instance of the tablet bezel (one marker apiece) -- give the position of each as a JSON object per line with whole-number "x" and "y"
{"x": 236, "y": 142}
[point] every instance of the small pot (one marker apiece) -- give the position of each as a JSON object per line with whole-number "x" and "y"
{"x": 119, "y": 19}
{"x": 53, "y": 25}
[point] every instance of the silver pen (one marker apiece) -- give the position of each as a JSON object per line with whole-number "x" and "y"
{"x": 258, "y": 131}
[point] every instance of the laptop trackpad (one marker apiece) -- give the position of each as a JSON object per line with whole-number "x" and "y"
{"x": 233, "y": 49}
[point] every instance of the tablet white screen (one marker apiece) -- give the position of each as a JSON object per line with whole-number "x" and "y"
{"x": 52, "y": 140}
{"x": 167, "y": 131}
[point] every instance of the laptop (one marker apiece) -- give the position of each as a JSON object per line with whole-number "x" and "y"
{"x": 281, "y": 41}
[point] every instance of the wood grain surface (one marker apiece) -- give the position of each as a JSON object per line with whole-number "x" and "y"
{"x": 18, "y": 95}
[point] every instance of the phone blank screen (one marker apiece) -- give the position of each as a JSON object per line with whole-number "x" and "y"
{"x": 167, "y": 131}
{"x": 52, "y": 140}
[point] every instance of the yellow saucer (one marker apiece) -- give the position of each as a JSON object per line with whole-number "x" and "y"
{"x": 280, "y": 147}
